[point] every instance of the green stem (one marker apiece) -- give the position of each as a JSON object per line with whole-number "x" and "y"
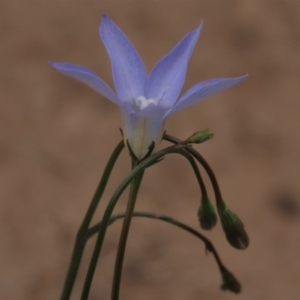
{"x": 109, "y": 209}
{"x": 198, "y": 175}
{"x": 203, "y": 162}
{"x": 208, "y": 244}
{"x": 134, "y": 188}
{"x": 80, "y": 237}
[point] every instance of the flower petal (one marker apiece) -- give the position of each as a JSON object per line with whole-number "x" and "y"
{"x": 128, "y": 69}
{"x": 88, "y": 77}
{"x": 202, "y": 90}
{"x": 166, "y": 79}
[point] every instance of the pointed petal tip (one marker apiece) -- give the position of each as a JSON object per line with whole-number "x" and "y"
{"x": 105, "y": 18}
{"x": 51, "y": 63}
{"x": 197, "y": 31}
{"x": 58, "y": 65}
{"x": 106, "y": 21}
{"x": 241, "y": 78}
{"x": 200, "y": 25}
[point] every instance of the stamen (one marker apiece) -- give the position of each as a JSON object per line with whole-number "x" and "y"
{"x": 142, "y": 102}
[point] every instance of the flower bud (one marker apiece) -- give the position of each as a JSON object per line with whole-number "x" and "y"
{"x": 233, "y": 228}
{"x": 230, "y": 283}
{"x": 200, "y": 137}
{"x": 207, "y": 215}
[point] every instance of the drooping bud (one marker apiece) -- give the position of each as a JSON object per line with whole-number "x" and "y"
{"x": 199, "y": 137}
{"x": 233, "y": 227}
{"x": 207, "y": 215}
{"x": 230, "y": 283}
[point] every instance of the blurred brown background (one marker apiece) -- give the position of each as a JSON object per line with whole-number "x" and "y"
{"x": 56, "y": 135}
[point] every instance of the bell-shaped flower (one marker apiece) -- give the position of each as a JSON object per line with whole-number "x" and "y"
{"x": 146, "y": 101}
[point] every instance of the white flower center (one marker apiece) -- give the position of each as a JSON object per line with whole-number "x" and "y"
{"x": 142, "y": 102}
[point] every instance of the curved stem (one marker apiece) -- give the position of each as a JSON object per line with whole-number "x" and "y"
{"x": 80, "y": 238}
{"x": 198, "y": 175}
{"x": 208, "y": 244}
{"x": 109, "y": 209}
{"x": 204, "y": 163}
{"x": 135, "y": 184}
{"x": 134, "y": 188}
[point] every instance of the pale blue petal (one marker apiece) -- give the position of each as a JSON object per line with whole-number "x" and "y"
{"x": 88, "y": 77}
{"x": 142, "y": 128}
{"x": 166, "y": 79}
{"x": 202, "y": 90}
{"x": 128, "y": 69}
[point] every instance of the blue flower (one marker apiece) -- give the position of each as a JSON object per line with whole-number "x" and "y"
{"x": 146, "y": 101}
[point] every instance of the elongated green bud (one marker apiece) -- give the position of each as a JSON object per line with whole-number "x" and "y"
{"x": 230, "y": 283}
{"x": 233, "y": 227}
{"x": 207, "y": 215}
{"x": 200, "y": 137}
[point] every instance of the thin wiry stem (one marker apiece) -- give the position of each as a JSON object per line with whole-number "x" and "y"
{"x": 229, "y": 281}
{"x": 203, "y": 162}
{"x": 80, "y": 238}
{"x": 134, "y": 188}
{"x": 109, "y": 209}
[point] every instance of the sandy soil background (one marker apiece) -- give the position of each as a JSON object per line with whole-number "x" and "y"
{"x": 56, "y": 135}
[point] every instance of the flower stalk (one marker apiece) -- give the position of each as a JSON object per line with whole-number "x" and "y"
{"x": 80, "y": 238}
{"x": 110, "y": 207}
{"x": 232, "y": 225}
{"x": 134, "y": 188}
{"x": 229, "y": 281}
